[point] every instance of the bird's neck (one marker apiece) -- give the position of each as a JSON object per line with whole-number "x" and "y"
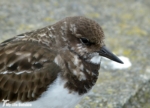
{"x": 79, "y": 74}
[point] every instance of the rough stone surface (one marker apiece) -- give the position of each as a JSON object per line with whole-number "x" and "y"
{"x": 127, "y": 28}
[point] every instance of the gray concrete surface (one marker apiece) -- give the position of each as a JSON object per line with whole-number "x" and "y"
{"x": 127, "y": 29}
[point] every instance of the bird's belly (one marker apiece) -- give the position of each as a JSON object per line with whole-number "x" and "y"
{"x": 57, "y": 96}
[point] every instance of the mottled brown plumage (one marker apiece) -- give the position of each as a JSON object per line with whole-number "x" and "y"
{"x": 31, "y": 62}
{"x": 35, "y": 60}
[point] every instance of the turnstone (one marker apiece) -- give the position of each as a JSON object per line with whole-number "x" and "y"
{"x": 53, "y": 67}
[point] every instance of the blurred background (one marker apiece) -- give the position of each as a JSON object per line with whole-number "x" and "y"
{"x": 126, "y": 24}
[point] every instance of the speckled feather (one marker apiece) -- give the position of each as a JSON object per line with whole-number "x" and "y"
{"x": 35, "y": 61}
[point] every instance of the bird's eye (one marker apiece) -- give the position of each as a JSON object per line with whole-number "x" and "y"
{"x": 84, "y": 40}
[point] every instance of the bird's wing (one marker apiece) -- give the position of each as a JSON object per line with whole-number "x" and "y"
{"x": 18, "y": 36}
{"x": 26, "y": 70}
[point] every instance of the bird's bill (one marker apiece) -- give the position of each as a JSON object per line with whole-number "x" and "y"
{"x": 108, "y": 54}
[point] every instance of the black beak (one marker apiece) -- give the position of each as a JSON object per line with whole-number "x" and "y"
{"x": 106, "y": 53}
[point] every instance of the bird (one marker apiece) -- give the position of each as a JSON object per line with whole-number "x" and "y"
{"x": 52, "y": 67}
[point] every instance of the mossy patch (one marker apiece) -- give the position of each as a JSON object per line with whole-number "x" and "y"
{"x": 93, "y": 15}
{"x": 24, "y": 27}
{"x": 136, "y": 31}
{"x": 49, "y": 19}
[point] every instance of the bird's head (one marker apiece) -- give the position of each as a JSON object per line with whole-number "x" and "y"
{"x": 85, "y": 38}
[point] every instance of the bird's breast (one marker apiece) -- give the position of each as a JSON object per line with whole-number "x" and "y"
{"x": 80, "y": 75}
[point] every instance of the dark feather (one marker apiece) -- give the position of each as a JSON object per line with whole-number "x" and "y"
{"x": 36, "y": 74}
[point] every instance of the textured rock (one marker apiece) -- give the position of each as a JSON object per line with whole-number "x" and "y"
{"x": 126, "y": 25}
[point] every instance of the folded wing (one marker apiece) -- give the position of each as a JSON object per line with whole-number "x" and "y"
{"x": 26, "y": 70}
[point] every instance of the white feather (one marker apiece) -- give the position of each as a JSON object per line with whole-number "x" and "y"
{"x": 96, "y": 59}
{"x": 56, "y": 96}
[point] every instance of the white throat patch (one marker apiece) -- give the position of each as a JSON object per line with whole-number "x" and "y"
{"x": 96, "y": 59}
